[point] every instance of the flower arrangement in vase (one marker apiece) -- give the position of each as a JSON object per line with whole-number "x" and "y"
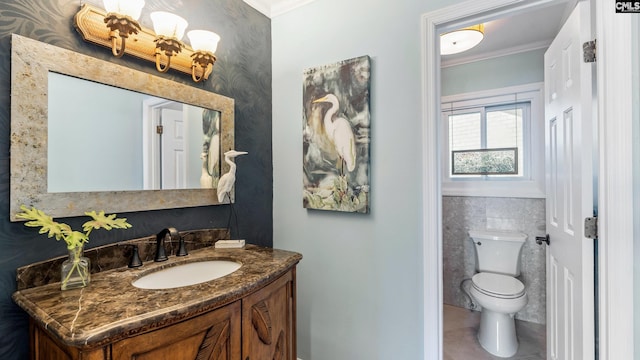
{"x": 75, "y": 272}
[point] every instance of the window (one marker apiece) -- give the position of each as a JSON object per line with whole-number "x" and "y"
{"x": 488, "y": 141}
{"x": 495, "y": 143}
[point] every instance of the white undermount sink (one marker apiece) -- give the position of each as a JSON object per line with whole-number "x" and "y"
{"x": 186, "y": 274}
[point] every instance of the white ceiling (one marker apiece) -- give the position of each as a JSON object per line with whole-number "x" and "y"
{"x": 533, "y": 29}
{"x": 273, "y": 8}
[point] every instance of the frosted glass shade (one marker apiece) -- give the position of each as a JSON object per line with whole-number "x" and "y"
{"x": 131, "y": 8}
{"x": 168, "y": 24}
{"x": 461, "y": 40}
{"x": 203, "y": 40}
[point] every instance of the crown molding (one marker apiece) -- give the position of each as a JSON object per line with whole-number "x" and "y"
{"x": 273, "y": 8}
{"x": 543, "y": 44}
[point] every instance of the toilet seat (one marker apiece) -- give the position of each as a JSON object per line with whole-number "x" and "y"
{"x": 498, "y": 285}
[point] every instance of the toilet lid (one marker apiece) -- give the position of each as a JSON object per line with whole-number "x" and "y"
{"x": 498, "y": 285}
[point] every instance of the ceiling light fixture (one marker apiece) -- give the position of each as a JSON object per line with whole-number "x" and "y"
{"x": 461, "y": 40}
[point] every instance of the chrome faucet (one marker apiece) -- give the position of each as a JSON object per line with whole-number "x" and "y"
{"x": 160, "y": 253}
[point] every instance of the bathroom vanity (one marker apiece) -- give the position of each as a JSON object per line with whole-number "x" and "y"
{"x": 249, "y": 314}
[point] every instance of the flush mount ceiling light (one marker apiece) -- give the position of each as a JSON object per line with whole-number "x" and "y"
{"x": 112, "y": 27}
{"x": 461, "y": 40}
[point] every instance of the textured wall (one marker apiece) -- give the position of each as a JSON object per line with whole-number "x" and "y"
{"x": 461, "y": 214}
{"x": 243, "y": 72}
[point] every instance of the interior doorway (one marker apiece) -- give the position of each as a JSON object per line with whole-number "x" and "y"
{"x": 164, "y": 141}
{"x": 492, "y": 96}
{"x": 480, "y": 14}
{"x": 615, "y": 147}
{"x": 559, "y": 279}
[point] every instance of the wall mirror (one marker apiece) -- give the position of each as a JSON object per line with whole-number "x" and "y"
{"x": 88, "y": 134}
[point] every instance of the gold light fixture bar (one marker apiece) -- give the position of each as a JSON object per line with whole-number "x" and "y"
{"x": 89, "y": 22}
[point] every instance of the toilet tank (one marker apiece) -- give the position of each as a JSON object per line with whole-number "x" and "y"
{"x": 498, "y": 251}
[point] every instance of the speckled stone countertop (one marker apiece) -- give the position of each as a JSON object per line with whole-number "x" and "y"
{"x": 110, "y": 308}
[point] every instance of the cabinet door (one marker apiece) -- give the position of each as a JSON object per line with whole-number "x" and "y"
{"x": 45, "y": 346}
{"x": 268, "y": 321}
{"x": 212, "y": 336}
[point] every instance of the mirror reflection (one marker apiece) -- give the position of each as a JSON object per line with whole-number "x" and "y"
{"x": 83, "y": 187}
{"x": 141, "y": 142}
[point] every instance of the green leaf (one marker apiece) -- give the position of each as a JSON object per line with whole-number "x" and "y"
{"x": 75, "y": 239}
{"x": 102, "y": 221}
{"x": 39, "y": 219}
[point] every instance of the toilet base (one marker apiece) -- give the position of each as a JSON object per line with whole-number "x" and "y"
{"x": 497, "y": 333}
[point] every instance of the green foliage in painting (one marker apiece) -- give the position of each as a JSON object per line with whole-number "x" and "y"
{"x": 339, "y": 197}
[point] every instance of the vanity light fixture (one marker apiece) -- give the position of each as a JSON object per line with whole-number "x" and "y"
{"x": 205, "y": 44}
{"x": 169, "y": 30}
{"x": 461, "y": 40}
{"x": 162, "y": 45}
{"x": 122, "y": 19}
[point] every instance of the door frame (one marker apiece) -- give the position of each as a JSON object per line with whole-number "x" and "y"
{"x": 615, "y": 260}
{"x": 151, "y": 152}
{"x": 151, "y": 142}
{"x": 615, "y": 188}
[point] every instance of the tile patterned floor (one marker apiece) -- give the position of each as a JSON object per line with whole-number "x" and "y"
{"x": 460, "y": 342}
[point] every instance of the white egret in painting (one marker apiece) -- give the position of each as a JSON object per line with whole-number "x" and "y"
{"x": 339, "y": 132}
{"x": 225, "y": 184}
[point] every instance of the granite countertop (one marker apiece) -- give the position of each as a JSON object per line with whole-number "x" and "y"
{"x": 110, "y": 308}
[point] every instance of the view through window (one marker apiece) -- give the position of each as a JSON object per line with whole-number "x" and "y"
{"x": 487, "y": 140}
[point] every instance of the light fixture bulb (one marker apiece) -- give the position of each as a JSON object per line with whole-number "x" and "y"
{"x": 131, "y": 8}
{"x": 461, "y": 40}
{"x": 202, "y": 40}
{"x": 168, "y": 25}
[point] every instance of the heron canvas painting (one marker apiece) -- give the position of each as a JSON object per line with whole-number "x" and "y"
{"x": 336, "y": 136}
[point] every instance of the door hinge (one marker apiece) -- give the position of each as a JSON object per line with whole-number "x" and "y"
{"x": 591, "y": 227}
{"x": 159, "y": 129}
{"x": 589, "y": 51}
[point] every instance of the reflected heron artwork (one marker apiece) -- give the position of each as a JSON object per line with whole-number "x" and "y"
{"x": 336, "y": 136}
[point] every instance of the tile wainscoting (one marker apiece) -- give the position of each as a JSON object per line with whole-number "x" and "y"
{"x": 461, "y": 214}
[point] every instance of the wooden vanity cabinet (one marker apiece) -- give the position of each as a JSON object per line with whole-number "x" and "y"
{"x": 268, "y": 321}
{"x": 260, "y": 326}
{"x": 212, "y": 336}
{"x": 215, "y": 335}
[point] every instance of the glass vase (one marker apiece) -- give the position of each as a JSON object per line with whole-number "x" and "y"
{"x": 75, "y": 271}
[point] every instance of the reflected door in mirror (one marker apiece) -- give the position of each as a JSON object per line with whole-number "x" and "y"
{"x": 135, "y": 142}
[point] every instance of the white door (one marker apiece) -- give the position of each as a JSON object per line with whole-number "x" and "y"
{"x": 174, "y": 162}
{"x": 570, "y": 151}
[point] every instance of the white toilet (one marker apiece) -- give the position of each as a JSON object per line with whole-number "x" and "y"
{"x": 496, "y": 289}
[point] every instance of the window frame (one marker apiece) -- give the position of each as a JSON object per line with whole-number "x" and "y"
{"x": 531, "y": 183}
{"x": 483, "y": 110}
